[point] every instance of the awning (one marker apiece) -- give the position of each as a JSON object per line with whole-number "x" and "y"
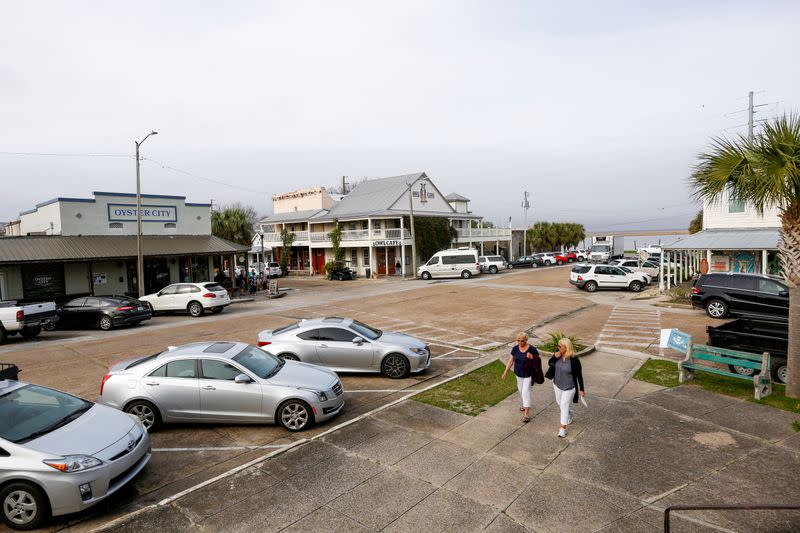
{"x": 729, "y": 239}
{"x": 92, "y": 248}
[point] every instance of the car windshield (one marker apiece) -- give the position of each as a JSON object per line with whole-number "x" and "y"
{"x": 32, "y": 411}
{"x": 601, "y": 248}
{"x": 263, "y": 364}
{"x": 365, "y": 331}
{"x": 214, "y": 287}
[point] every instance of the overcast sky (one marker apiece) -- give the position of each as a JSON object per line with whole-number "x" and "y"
{"x": 597, "y": 108}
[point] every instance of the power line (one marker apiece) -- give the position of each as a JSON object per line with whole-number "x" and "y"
{"x": 210, "y": 180}
{"x": 50, "y": 154}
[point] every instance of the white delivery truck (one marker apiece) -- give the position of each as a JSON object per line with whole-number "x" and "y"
{"x": 606, "y": 248}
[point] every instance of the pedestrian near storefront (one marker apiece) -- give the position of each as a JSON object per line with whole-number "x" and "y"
{"x": 398, "y": 269}
{"x": 527, "y": 368}
{"x": 565, "y": 371}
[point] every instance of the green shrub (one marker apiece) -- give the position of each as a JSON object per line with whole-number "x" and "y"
{"x": 796, "y": 425}
{"x": 551, "y": 345}
{"x": 679, "y": 294}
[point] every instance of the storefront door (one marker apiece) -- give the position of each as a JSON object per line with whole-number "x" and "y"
{"x": 319, "y": 260}
{"x": 391, "y": 261}
{"x": 380, "y": 260}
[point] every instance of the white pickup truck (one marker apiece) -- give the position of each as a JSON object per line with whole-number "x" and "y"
{"x": 27, "y": 320}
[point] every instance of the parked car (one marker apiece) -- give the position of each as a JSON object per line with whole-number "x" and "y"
{"x": 737, "y": 294}
{"x": 647, "y": 267}
{"x": 274, "y": 270}
{"x": 525, "y": 261}
{"x": 61, "y": 454}
{"x": 341, "y": 273}
{"x": 578, "y": 255}
{"x": 647, "y": 277}
{"x": 104, "y": 312}
{"x": 562, "y": 259}
{"x": 347, "y": 345}
{"x": 462, "y": 262}
{"x": 27, "y": 320}
{"x": 492, "y": 263}
{"x": 547, "y": 259}
{"x": 754, "y": 336}
{"x": 222, "y": 382}
{"x": 598, "y": 276}
{"x": 194, "y": 298}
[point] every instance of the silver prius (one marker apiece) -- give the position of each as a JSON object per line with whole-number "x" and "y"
{"x": 344, "y": 344}
{"x": 60, "y": 454}
{"x": 222, "y": 382}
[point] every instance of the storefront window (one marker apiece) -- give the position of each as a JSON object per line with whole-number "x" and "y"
{"x": 366, "y": 256}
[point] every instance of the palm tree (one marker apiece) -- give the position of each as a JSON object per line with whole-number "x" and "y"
{"x": 234, "y": 223}
{"x": 765, "y": 172}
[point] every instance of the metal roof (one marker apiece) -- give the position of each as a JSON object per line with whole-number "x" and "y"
{"x": 293, "y": 216}
{"x": 82, "y": 248}
{"x": 729, "y": 239}
{"x": 372, "y": 196}
{"x": 455, "y": 197}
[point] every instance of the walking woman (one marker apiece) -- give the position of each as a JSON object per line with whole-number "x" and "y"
{"x": 565, "y": 371}
{"x": 526, "y": 360}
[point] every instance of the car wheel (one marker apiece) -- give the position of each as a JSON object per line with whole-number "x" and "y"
{"x": 717, "y": 309}
{"x": 50, "y": 326}
{"x": 510, "y": 266}
{"x": 195, "y": 309}
{"x": 743, "y": 371}
{"x": 779, "y": 372}
{"x": 395, "y": 366}
{"x": 548, "y": 263}
{"x": 559, "y": 262}
{"x": 147, "y": 413}
{"x": 29, "y": 333}
{"x": 25, "y": 506}
{"x": 635, "y": 286}
{"x": 3, "y": 335}
{"x": 289, "y": 357}
{"x": 105, "y": 323}
{"x": 466, "y": 274}
{"x": 426, "y": 275}
{"x": 217, "y": 310}
{"x": 492, "y": 269}
{"x": 295, "y": 415}
{"x": 150, "y": 307}
{"x": 590, "y": 286}
{"x": 534, "y": 265}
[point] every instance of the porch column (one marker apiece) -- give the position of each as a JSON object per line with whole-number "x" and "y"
{"x": 371, "y": 255}
{"x": 482, "y": 248}
{"x": 764, "y": 265}
{"x": 661, "y": 273}
{"x": 669, "y": 269}
{"x": 402, "y": 248}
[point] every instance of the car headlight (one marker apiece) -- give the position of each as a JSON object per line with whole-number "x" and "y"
{"x": 320, "y": 394}
{"x": 419, "y": 351}
{"x": 73, "y": 463}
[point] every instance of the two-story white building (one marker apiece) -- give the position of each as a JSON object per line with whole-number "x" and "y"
{"x": 735, "y": 238}
{"x": 374, "y": 219}
{"x": 67, "y": 247}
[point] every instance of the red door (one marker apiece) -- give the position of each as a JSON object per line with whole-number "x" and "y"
{"x": 319, "y": 260}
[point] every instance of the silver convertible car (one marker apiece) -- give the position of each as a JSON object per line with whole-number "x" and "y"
{"x": 222, "y": 382}
{"x": 344, "y": 344}
{"x": 60, "y": 454}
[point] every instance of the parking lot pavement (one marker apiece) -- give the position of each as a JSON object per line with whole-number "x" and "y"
{"x": 415, "y": 467}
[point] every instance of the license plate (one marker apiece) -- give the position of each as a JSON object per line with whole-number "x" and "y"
{"x": 140, "y": 308}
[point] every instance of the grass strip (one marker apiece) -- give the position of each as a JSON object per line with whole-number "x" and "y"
{"x": 665, "y": 374}
{"x": 472, "y": 393}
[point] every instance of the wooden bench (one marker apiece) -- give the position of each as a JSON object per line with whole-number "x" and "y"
{"x": 698, "y": 355}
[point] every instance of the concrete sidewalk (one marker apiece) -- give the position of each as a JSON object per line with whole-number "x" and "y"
{"x": 635, "y": 450}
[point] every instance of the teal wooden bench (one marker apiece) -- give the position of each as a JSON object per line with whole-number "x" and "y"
{"x": 698, "y": 356}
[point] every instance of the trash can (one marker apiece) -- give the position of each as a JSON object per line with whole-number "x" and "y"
{"x": 9, "y": 371}
{"x": 368, "y": 273}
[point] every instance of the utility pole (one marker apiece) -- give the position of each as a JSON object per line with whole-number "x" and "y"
{"x": 139, "y": 257}
{"x": 525, "y": 206}
{"x": 413, "y": 241}
{"x": 344, "y": 185}
{"x": 750, "y": 113}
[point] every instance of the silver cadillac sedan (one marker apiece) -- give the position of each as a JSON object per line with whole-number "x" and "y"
{"x": 60, "y": 454}
{"x": 222, "y": 382}
{"x": 344, "y": 344}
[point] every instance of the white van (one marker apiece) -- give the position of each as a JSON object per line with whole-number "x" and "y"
{"x": 462, "y": 262}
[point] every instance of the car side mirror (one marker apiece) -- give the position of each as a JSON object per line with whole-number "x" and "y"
{"x": 783, "y": 294}
{"x": 242, "y": 378}
{"x": 160, "y": 294}
{"x": 358, "y": 340}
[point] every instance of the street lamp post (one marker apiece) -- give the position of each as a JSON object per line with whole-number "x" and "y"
{"x": 413, "y": 242}
{"x": 139, "y": 258}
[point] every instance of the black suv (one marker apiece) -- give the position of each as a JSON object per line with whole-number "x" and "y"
{"x": 740, "y": 295}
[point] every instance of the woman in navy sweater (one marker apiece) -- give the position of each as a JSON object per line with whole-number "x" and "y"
{"x": 524, "y": 358}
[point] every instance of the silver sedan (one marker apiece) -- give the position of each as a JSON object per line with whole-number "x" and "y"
{"x": 344, "y": 344}
{"x": 222, "y": 382}
{"x": 60, "y": 454}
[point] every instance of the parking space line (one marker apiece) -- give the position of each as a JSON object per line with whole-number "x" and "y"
{"x": 382, "y": 390}
{"x": 220, "y": 448}
{"x": 448, "y": 353}
{"x": 454, "y": 358}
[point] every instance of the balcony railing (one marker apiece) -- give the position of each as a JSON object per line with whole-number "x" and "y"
{"x": 482, "y": 233}
{"x": 397, "y": 233}
{"x": 274, "y": 239}
{"x": 355, "y": 235}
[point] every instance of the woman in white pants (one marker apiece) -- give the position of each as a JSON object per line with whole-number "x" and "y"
{"x": 565, "y": 371}
{"x": 525, "y": 359}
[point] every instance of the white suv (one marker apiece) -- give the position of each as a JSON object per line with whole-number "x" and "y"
{"x": 195, "y": 298}
{"x": 492, "y": 263}
{"x": 593, "y": 277}
{"x": 548, "y": 258}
